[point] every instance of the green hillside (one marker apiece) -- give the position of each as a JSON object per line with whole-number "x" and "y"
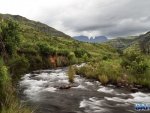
{"x": 143, "y": 42}
{"x": 122, "y": 42}
{"x": 38, "y": 45}
{"x": 33, "y": 33}
{"x": 39, "y": 28}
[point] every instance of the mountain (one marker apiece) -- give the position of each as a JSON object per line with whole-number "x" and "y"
{"x": 97, "y": 39}
{"x": 30, "y": 25}
{"x": 81, "y": 38}
{"x": 35, "y": 35}
{"x": 142, "y": 42}
{"x": 122, "y": 42}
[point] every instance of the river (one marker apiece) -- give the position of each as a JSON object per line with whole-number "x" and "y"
{"x": 40, "y": 91}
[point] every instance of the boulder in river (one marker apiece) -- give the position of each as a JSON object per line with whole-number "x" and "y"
{"x": 64, "y": 87}
{"x": 134, "y": 90}
{"x": 128, "y": 97}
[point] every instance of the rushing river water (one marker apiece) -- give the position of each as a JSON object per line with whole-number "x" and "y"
{"x": 40, "y": 91}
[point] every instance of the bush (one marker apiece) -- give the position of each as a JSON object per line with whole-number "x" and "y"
{"x": 72, "y": 58}
{"x": 29, "y": 48}
{"x": 8, "y": 101}
{"x": 18, "y": 65}
{"x": 62, "y": 61}
{"x": 71, "y": 73}
{"x": 35, "y": 62}
{"x": 85, "y": 57}
{"x": 9, "y": 31}
{"x": 110, "y": 68}
{"x": 80, "y": 52}
{"x": 63, "y": 52}
{"x": 46, "y": 49}
{"x": 103, "y": 79}
{"x": 4, "y": 75}
{"x": 134, "y": 62}
{"x": 89, "y": 71}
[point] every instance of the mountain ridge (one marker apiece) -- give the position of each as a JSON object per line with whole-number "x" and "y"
{"x": 96, "y": 39}
{"x": 38, "y": 26}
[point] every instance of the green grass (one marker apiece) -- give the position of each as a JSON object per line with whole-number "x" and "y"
{"x": 8, "y": 101}
{"x": 111, "y": 71}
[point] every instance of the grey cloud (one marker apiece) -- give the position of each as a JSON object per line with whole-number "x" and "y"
{"x": 112, "y": 18}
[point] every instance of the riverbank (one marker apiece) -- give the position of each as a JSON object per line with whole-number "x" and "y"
{"x": 9, "y": 102}
{"x": 112, "y": 72}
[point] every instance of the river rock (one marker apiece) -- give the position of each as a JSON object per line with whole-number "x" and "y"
{"x": 138, "y": 86}
{"x": 64, "y": 87}
{"x": 128, "y": 97}
{"x": 134, "y": 90}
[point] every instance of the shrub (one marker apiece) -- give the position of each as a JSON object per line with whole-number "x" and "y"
{"x": 63, "y": 52}
{"x": 8, "y": 101}
{"x": 85, "y": 57}
{"x": 29, "y": 48}
{"x": 110, "y": 68}
{"x": 35, "y": 62}
{"x": 18, "y": 65}
{"x": 88, "y": 71}
{"x": 134, "y": 62}
{"x": 103, "y": 79}
{"x": 80, "y": 52}
{"x": 9, "y": 31}
{"x": 62, "y": 61}
{"x": 72, "y": 58}
{"x": 46, "y": 49}
{"x": 71, "y": 73}
{"x": 107, "y": 56}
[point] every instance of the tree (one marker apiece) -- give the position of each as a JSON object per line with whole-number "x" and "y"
{"x": 9, "y": 37}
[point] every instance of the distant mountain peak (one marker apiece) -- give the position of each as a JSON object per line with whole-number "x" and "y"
{"x": 96, "y": 39}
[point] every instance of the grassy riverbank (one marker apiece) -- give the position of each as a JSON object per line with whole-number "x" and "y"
{"x": 130, "y": 69}
{"x": 8, "y": 100}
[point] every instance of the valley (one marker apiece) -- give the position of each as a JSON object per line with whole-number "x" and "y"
{"x": 40, "y": 70}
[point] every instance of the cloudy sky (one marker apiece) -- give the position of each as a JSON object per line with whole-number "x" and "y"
{"x": 112, "y": 18}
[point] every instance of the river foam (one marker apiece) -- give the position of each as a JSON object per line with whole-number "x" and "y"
{"x": 93, "y": 105}
{"x": 137, "y": 97}
{"x": 106, "y": 90}
{"x": 34, "y": 84}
